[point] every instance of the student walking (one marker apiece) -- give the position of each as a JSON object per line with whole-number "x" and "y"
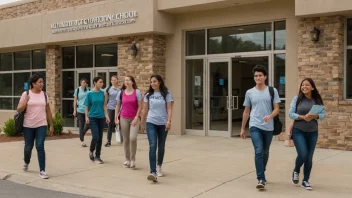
{"x": 157, "y": 110}
{"x": 131, "y": 98}
{"x": 305, "y": 129}
{"x": 258, "y": 108}
{"x": 79, "y": 109}
{"x": 111, "y": 94}
{"x": 96, "y": 116}
{"x": 37, "y": 112}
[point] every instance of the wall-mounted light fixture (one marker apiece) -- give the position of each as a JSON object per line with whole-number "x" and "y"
{"x": 133, "y": 49}
{"x": 315, "y": 34}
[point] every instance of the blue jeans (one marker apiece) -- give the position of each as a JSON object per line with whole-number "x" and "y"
{"x": 157, "y": 137}
{"x": 261, "y": 141}
{"x": 37, "y": 134}
{"x": 96, "y": 126}
{"x": 305, "y": 143}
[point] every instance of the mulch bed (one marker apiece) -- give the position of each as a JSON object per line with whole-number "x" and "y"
{"x": 4, "y": 138}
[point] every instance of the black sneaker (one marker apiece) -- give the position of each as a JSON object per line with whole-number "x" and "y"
{"x": 152, "y": 177}
{"x": 91, "y": 157}
{"x": 261, "y": 185}
{"x": 306, "y": 185}
{"x": 108, "y": 144}
{"x": 98, "y": 160}
{"x": 295, "y": 178}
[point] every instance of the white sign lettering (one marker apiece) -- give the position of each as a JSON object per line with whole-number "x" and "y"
{"x": 95, "y": 22}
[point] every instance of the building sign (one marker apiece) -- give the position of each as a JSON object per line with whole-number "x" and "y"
{"x": 94, "y": 22}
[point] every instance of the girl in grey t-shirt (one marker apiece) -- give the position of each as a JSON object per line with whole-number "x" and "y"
{"x": 157, "y": 111}
{"x": 305, "y": 128}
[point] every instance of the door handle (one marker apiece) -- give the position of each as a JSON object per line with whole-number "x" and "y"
{"x": 228, "y": 103}
{"x": 233, "y": 105}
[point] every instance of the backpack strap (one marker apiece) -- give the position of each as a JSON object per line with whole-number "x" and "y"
{"x": 271, "y": 91}
{"x": 107, "y": 90}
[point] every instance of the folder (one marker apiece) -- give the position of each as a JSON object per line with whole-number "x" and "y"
{"x": 316, "y": 109}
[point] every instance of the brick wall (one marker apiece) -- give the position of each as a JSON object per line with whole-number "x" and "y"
{"x": 324, "y": 62}
{"x": 149, "y": 60}
{"x": 53, "y": 77}
{"x": 39, "y": 6}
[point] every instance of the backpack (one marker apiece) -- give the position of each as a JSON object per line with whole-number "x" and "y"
{"x": 19, "y": 117}
{"x": 86, "y": 89}
{"x": 277, "y": 122}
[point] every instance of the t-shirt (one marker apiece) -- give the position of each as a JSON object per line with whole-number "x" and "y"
{"x": 157, "y": 113}
{"x": 35, "y": 115}
{"x": 260, "y": 103}
{"x": 303, "y": 108}
{"x": 130, "y": 103}
{"x": 95, "y": 103}
{"x": 113, "y": 92}
{"x": 81, "y": 98}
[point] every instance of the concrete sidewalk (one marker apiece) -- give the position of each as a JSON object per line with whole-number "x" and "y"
{"x": 194, "y": 167}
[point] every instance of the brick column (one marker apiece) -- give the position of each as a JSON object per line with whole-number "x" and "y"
{"x": 149, "y": 60}
{"x": 53, "y": 77}
{"x": 324, "y": 62}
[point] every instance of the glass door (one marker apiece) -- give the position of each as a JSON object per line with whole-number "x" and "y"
{"x": 242, "y": 80}
{"x": 219, "y": 97}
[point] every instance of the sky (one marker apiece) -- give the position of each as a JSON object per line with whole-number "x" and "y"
{"x": 2, "y": 2}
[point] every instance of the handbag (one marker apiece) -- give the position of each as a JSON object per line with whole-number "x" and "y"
{"x": 118, "y": 134}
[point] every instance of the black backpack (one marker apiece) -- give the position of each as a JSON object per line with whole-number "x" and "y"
{"x": 277, "y": 122}
{"x": 19, "y": 117}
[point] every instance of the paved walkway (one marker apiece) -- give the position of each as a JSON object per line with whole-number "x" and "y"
{"x": 194, "y": 167}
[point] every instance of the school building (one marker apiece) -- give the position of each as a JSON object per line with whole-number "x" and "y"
{"x": 205, "y": 50}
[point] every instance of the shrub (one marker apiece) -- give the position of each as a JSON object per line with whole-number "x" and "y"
{"x": 9, "y": 127}
{"x": 58, "y": 122}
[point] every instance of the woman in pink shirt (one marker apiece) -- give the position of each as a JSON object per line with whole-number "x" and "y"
{"x": 37, "y": 112}
{"x": 130, "y": 98}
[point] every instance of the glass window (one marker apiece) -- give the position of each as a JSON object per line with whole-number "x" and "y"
{"x": 106, "y": 55}
{"x": 6, "y": 103}
{"x": 280, "y": 35}
{"x": 68, "y": 84}
{"x": 22, "y": 60}
{"x": 194, "y": 96}
{"x": 39, "y": 59}
{"x": 6, "y": 62}
{"x": 85, "y": 56}
{"x": 6, "y": 84}
{"x": 349, "y": 32}
{"x": 195, "y": 43}
{"x": 68, "y": 60}
{"x": 67, "y": 113}
{"x": 280, "y": 77}
{"x": 349, "y": 74}
{"x": 246, "y": 38}
{"x": 19, "y": 80}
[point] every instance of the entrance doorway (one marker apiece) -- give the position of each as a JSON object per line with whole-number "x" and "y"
{"x": 222, "y": 92}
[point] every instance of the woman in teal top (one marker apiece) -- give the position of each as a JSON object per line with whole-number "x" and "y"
{"x": 79, "y": 109}
{"x": 96, "y": 116}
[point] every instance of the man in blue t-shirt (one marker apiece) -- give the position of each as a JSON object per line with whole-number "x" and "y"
{"x": 259, "y": 110}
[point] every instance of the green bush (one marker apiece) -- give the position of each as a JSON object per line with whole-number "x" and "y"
{"x": 58, "y": 122}
{"x": 9, "y": 127}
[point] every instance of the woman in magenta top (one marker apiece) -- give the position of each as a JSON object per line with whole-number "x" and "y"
{"x": 37, "y": 114}
{"x": 130, "y": 98}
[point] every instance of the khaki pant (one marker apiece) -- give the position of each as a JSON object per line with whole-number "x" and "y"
{"x": 129, "y": 134}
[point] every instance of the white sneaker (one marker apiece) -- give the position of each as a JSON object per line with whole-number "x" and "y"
{"x": 133, "y": 165}
{"x": 43, "y": 175}
{"x": 159, "y": 171}
{"x": 126, "y": 164}
{"x": 152, "y": 177}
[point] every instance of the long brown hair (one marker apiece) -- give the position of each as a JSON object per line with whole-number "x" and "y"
{"x": 134, "y": 85}
{"x": 315, "y": 93}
